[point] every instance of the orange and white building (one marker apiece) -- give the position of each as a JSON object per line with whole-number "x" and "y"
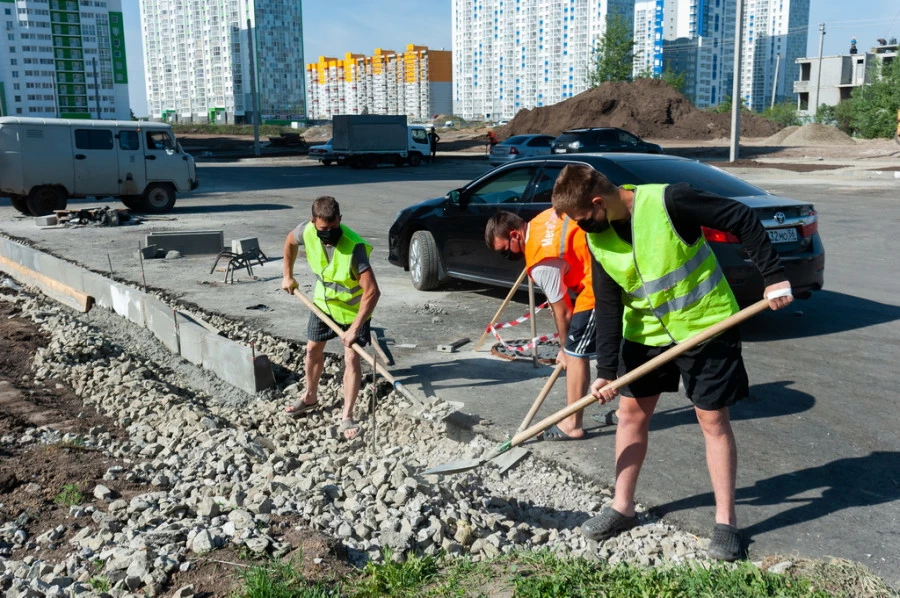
{"x": 416, "y": 82}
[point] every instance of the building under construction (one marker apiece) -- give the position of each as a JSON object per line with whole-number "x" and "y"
{"x": 416, "y": 82}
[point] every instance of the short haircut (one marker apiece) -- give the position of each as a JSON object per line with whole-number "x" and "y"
{"x": 500, "y": 225}
{"x": 326, "y": 208}
{"x": 577, "y": 185}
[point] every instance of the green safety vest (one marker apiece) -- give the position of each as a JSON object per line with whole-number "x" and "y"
{"x": 670, "y": 290}
{"x": 337, "y": 292}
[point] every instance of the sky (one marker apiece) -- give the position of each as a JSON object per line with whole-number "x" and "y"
{"x": 335, "y": 27}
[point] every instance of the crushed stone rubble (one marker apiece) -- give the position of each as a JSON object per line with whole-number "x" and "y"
{"x": 223, "y": 469}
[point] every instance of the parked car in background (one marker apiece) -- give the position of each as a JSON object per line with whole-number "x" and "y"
{"x": 444, "y": 237}
{"x": 520, "y": 146}
{"x": 323, "y": 153}
{"x": 602, "y": 139}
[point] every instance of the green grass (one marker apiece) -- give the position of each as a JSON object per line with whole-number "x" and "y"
{"x": 538, "y": 575}
{"x": 99, "y": 583}
{"x": 69, "y": 495}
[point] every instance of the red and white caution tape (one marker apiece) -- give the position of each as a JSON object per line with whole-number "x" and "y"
{"x": 531, "y": 343}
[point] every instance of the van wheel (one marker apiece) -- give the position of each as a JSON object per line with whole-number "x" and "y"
{"x": 20, "y": 204}
{"x": 43, "y": 200}
{"x": 133, "y": 202}
{"x": 158, "y": 199}
{"x": 415, "y": 158}
{"x": 424, "y": 265}
{"x": 327, "y": 162}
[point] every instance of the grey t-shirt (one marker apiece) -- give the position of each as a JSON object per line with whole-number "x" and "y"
{"x": 359, "y": 261}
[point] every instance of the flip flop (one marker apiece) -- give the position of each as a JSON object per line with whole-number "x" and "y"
{"x": 349, "y": 424}
{"x": 610, "y": 418}
{"x": 299, "y": 408}
{"x": 555, "y": 434}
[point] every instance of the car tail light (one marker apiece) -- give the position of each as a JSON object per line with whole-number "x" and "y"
{"x": 717, "y": 236}
{"x": 811, "y": 226}
{"x": 513, "y": 150}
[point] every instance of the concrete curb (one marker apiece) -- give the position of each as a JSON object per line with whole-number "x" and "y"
{"x": 179, "y": 332}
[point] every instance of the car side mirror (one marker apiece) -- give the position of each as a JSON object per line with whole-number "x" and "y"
{"x": 454, "y": 197}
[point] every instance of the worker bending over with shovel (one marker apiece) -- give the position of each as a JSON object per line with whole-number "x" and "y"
{"x": 345, "y": 289}
{"x": 657, "y": 283}
{"x": 558, "y": 260}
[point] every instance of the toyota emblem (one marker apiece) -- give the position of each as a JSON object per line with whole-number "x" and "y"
{"x": 779, "y": 217}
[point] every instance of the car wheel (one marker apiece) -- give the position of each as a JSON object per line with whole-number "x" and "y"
{"x": 327, "y": 162}
{"x": 423, "y": 261}
{"x": 20, "y": 203}
{"x": 415, "y": 158}
{"x": 158, "y": 199}
{"x": 43, "y": 200}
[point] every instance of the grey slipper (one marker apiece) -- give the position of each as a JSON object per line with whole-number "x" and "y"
{"x": 299, "y": 408}
{"x": 607, "y": 524}
{"x": 725, "y": 544}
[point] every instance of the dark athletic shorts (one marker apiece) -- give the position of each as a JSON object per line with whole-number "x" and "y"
{"x": 713, "y": 373}
{"x": 582, "y": 339}
{"x": 317, "y": 330}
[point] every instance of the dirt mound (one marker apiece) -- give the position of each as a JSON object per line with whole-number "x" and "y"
{"x": 817, "y": 134}
{"x": 646, "y": 107}
{"x": 318, "y": 132}
{"x": 779, "y": 137}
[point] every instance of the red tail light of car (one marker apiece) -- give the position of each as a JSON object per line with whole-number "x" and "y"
{"x": 513, "y": 150}
{"x": 717, "y": 236}
{"x": 811, "y": 226}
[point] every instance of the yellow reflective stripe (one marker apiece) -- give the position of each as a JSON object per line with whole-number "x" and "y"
{"x": 667, "y": 281}
{"x": 338, "y": 287}
{"x": 696, "y": 294}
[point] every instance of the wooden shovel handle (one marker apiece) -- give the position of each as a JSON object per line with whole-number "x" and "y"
{"x": 744, "y": 314}
{"x": 359, "y": 350}
{"x": 503, "y": 305}
{"x": 540, "y": 398}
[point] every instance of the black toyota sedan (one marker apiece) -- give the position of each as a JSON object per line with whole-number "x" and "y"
{"x": 443, "y": 238}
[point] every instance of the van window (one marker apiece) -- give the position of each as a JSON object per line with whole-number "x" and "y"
{"x": 159, "y": 140}
{"x": 128, "y": 140}
{"x": 93, "y": 139}
{"x": 419, "y": 136}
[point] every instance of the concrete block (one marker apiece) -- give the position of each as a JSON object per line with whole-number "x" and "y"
{"x": 127, "y": 302}
{"x": 160, "y": 320}
{"x": 241, "y": 245}
{"x": 201, "y": 242}
{"x": 61, "y": 271}
{"x": 46, "y": 221}
{"x": 97, "y": 286}
{"x": 192, "y": 338}
{"x": 230, "y": 361}
{"x": 22, "y": 255}
{"x": 150, "y": 252}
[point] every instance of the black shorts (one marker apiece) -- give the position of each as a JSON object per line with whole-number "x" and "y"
{"x": 317, "y": 330}
{"x": 713, "y": 373}
{"x": 582, "y": 339}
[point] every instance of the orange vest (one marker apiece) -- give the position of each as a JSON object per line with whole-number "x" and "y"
{"x": 552, "y": 236}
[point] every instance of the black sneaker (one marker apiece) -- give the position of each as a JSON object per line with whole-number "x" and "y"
{"x": 607, "y": 524}
{"x": 725, "y": 544}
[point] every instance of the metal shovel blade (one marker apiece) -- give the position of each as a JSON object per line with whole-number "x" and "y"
{"x": 454, "y": 467}
{"x": 505, "y": 461}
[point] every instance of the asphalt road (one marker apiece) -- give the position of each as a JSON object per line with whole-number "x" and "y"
{"x": 819, "y": 450}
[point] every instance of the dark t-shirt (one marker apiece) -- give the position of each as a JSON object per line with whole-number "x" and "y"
{"x": 688, "y": 210}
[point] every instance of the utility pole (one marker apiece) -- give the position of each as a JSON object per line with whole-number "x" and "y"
{"x": 256, "y": 151}
{"x": 736, "y": 102}
{"x": 819, "y": 73}
{"x": 775, "y": 80}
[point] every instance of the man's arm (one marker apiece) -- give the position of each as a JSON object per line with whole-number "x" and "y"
{"x": 370, "y": 296}
{"x": 547, "y": 274}
{"x": 289, "y": 283}
{"x": 608, "y": 312}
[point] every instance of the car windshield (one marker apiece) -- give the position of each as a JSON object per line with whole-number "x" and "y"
{"x": 567, "y": 138}
{"x": 517, "y": 140}
{"x": 699, "y": 176}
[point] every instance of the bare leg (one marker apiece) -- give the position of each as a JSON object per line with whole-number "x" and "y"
{"x": 577, "y": 385}
{"x": 352, "y": 381}
{"x": 631, "y": 448}
{"x": 721, "y": 459}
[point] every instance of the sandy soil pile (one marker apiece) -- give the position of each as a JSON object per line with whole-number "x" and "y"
{"x": 816, "y": 134}
{"x": 646, "y": 107}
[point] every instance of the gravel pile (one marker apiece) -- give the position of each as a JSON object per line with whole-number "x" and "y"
{"x": 223, "y": 467}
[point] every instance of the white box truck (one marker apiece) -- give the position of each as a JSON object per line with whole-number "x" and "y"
{"x": 45, "y": 161}
{"x": 366, "y": 140}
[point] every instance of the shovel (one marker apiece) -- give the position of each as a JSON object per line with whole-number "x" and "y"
{"x": 362, "y": 353}
{"x": 663, "y": 358}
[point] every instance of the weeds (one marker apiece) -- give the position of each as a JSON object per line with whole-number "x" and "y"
{"x": 69, "y": 496}
{"x": 99, "y": 583}
{"x": 280, "y": 579}
{"x": 397, "y": 579}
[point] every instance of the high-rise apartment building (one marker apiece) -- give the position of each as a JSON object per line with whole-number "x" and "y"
{"x": 514, "y": 54}
{"x": 415, "y": 82}
{"x": 648, "y": 37}
{"x": 63, "y": 58}
{"x": 197, "y": 58}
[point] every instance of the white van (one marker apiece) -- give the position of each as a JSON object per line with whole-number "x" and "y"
{"x": 45, "y": 161}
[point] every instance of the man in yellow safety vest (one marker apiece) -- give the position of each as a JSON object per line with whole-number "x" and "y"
{"x": 345, "y": 289}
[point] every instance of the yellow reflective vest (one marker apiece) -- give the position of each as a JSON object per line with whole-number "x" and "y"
{"x": 670, "y": 290}
{"x": 337, "y": 292}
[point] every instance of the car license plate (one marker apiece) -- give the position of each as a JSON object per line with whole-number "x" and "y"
{"x": 559, "y": 150}
{"x": 782, "y": 235}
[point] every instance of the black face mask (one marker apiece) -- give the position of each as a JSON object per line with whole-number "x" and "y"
{"x": 589, "y": 225}
{"x": 330, "y": 236}
{"x": 513, "y": 257}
